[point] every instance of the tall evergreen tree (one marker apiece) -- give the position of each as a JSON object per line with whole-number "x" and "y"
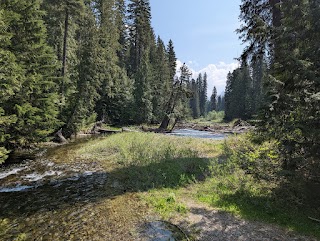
{"x": 142, "y": 91}
{"x": 238, "y": 94}
{"x": 88, "y": 83}
{"x": 221, "y": 103}
{"x": 194, "y": 100}
{"x": 140, "y": 33}
{"x": 178, "y": 104}
{"x": 162, "y": 83}
{"x": 62, "y": 19}
{"x": 213, "y": 100}
{"x": 10, "y": 76}
{"x": 35, "y": 102}
{"x": 142, "y": 48}
{"x": 115, "y": 92}
{"x": 202, "y": 83}
{"x": 172, "y": 60}
{"x": 292, "y": 109}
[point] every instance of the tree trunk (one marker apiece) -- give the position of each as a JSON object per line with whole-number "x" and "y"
{"x": 174, "y": 124}
{"x": 165, "y": 123}
{"x": 65, "y": 38}
{"x": 61, "y": 137}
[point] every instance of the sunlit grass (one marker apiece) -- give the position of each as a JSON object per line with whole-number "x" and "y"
{"x": 144, "y": 148}
{"x": 236, "y": 176}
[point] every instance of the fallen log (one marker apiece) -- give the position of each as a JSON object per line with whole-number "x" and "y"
{"x": 105, "y": 131}
{"x": 60, "y": 137}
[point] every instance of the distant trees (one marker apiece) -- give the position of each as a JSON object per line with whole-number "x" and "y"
{"x": 198, "y": 100}
{"x": 213, "y": 100}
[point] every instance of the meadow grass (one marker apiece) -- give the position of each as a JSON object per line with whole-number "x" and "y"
{"x": 236, "y": 176}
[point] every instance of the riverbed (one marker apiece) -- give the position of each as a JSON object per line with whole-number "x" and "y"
{"x": 57, "y": 195}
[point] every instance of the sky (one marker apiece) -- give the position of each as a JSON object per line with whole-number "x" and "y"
{"x": 203, "y": 34}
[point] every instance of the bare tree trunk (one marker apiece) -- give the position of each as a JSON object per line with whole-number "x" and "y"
{"x": 170, "y": 109}
{"x": 61, "y": 137}
{"x": 174, "y": 124}
{"x": 165, "y": 123}
{"x": 65, "y": 38}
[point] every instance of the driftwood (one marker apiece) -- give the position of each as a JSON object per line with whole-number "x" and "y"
{"x": 96, "y": 127}
{"x": 105, "y": 131}
{"x": 60, "y": 136}
{"x": 128, "y": 130}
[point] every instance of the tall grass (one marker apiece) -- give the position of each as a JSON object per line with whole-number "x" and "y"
{"x": 141, "y": 149}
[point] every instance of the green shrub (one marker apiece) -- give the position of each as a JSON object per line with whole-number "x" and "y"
{"x": 216, "y": 116}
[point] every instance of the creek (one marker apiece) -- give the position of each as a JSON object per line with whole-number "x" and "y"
{"x": 49, "y": 200}
{"x": 198, "y": 134}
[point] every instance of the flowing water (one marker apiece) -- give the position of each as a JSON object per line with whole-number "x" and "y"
{"x": 198, "y": 134}
{"x": 41, "y": 199}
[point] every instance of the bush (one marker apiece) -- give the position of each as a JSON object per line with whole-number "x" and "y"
{"x": 216, "y": 116}
{"x": 261, "y": 160}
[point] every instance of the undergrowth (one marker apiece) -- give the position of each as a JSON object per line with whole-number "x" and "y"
{"x": 250, "y": 183}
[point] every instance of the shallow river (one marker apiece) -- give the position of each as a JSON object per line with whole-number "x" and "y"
{"x": 50, "y": 201}
{"x": 198, "y": 134}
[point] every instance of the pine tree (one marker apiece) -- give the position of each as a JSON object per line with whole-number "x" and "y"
{"x": 203, "y": 96}
{"x": 88, "y": 83}
{"x": 194, "y": 100}
{"x": 162, "y": 83}
{"x": 62, "y": 21}
{"x": 140, "y": 33}
{"x": 238, "y": 94}
{"x": 142, "y": 49}
{"x": 220, "y": 103}
{"x": 291, "y": 112}
{"x": 10, "y": 76}
{"x": 116, "y": 91}
{"x": 142, "y": 91}
{"x": 172, "y": 60}
{"x": 213, "y": 100}
{"x": 178, "y": 104}
{"x": 35, "y": 104}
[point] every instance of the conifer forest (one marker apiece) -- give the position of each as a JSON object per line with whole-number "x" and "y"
{"x": 69, "y": 64}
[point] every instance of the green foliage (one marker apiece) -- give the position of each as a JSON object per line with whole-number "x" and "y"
{"x": 194, "y": 100}
{"x": 213, "y": 100}
{"x": 84, "y": 99}
{"x": 142, "y": 92}
{"x": 165, "y": 203}
{"x": 291, "y": 114}
{"x": 238, "y": 94}
{"x": 216, "y": 116}
{"x": 249, "y": 182}
{"x": 260, "y": 160}
{"x": 29, "y": 76}
{"x": 103, "y": 58}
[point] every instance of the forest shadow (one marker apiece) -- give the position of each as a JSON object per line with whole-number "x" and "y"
{"x": 283, "y": 207}
{"x": 223, "y": 226}
{"x": 98, "y": 186}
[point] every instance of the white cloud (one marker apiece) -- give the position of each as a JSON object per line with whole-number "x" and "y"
{"x": 217, "y": 74}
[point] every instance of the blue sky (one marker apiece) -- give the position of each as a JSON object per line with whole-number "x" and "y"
{"x": 203, "y": 33}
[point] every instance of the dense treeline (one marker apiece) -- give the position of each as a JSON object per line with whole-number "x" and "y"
{"x": 283, "y": 51}
{"x": 200, "y": 105}
{"x": 245, "y": 90}
{"x": 67, "y": 63}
